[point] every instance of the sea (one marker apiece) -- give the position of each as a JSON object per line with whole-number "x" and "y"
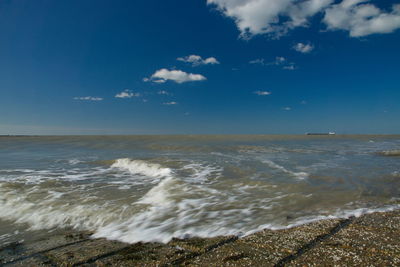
{"x": 155, "y": 188}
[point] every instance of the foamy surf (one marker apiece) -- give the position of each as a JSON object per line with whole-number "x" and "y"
{"x": 299, "y": 175}
{"x": 141, "y": 167}
{"x": 171, "y": 208}
{"x": 339, "y": 214}
{"x": 181, "y": 193}
{"x": 160, "y": 215}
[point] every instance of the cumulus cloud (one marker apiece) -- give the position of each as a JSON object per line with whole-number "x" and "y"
{"x": 287, "y": 108}
{"x": 170, "y": 103}
{"x": 198, "y": 60}
{"x": 361, "y": 18}
{"x": 269, "y": 16}
{"x": 262, "y": 93}
{"x": 303, "y": 48}
{"x": 127, "y": 94}
{"x": 276, "y": 18}
{"x": 88, "y": 98}
{"x": 178, "y": 76}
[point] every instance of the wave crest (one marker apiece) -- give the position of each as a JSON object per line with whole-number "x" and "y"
{"x": 142, "y": 167}
{"x": 299, "y": 175}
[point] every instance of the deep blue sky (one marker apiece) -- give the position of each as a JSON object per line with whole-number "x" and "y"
{"x": 53, "y": 52}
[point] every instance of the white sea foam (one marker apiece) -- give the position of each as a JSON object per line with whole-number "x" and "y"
{"x": 142, "y": 167}
{"x": 299, "y": 175}
{"x": 74, "y": 161}
{"x": 16, "y": 170}
{"x": 339, "y": 214}
{"x": 137, "y": 167}
{"x": 135, "y": 200}
{"x": 159, "y": 194}
{"x": 202, "y": 173}
{"x": 30, "y": 176}
{"x": 152, "y": 223}
{"x": 46, "y": 214}
{"x": 172, "y": 208}
{"x": 5, "y": 237}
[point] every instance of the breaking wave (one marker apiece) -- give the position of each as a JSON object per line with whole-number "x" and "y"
{"x": 230, "y": 191}
{"x": 142, "y": 167}
{"x": 169, "y": 209}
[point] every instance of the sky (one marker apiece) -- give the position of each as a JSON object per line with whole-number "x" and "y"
{"x": 199, "y": 67}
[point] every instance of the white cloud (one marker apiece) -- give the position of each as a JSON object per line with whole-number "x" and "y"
{"x": 198, "y": 60}
{"x": 284, "y": 63}
{"x": 279, "y": 61}
{"x": 287, "y": 108}
{"x": 127, "y": 94}
{"x": 163, "y": 92}
{"x": 178, "y": 76}
{"x": 262, "y": 93}
{"x": 269, "y": 16}
{"x": 159, "y": 81}
{"x": 211, "y": 60}
{"x": 361, "y": 19}
{"x": 170, "y": 103}
{"x": 88, "y": 98}
{"x": 290, "y": 66}
{"x": 277, "y": 17}
{"x": 260, "y": 61}
{"x": 303, "y": 48}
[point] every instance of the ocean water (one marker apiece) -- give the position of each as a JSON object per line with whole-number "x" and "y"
{"x": 154, "y": 188}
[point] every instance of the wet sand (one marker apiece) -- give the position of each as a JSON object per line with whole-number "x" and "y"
{"x": 372, "y": 239}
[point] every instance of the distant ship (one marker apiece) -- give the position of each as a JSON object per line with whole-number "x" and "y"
{"x": 329, "y": 133}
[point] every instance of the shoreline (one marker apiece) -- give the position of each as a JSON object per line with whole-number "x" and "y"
{"x": 371, "y": 239}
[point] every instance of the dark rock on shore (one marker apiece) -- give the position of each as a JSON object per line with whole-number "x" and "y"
{"x": 372, "y": 240}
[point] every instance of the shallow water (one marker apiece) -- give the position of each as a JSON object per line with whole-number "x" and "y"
{"x": 154, "y": 188}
